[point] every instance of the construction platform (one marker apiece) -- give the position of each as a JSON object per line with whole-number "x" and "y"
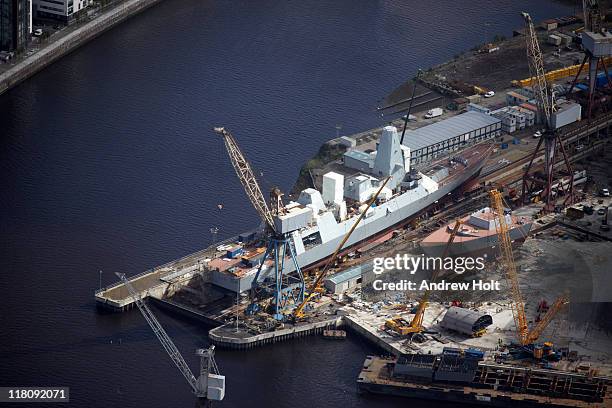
{"x": 497, "y": 385}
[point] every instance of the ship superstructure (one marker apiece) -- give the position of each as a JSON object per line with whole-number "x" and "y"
{"x": 318, "y": 220}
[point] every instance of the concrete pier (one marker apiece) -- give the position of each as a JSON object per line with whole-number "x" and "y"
{"x": 226, "y": 336}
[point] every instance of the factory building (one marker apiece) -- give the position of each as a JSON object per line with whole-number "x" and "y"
{"x": 440, "y": 138}
{"x": 474, "y": 107}
{"x": 61, "y": 10}
{"x": 343, "y": 281}
{"x": 15, "y": 24}
{"x": 514, "y": 118}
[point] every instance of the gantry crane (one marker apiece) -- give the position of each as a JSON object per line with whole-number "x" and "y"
{"x": 550, "y": 138}
{"x": 593, "y": 54}
{"x": 525, "y": 336}
{"x": 416, "y": 324}
{"x": 316, "y": 288}
{"x": 287, "y": 288}
{"x": 209, "y": 385}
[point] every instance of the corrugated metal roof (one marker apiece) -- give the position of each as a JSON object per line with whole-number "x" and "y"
{"x": 447, "y": 129}
{"x": 348, "y": 274}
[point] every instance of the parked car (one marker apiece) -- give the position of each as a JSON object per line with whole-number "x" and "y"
{"x": 537, "y": 134}
{"x": 433, "y": 113}
{"x": 604, "y": 192}
{"x": 489, "y": 94}
{"x": 38, "y": 32}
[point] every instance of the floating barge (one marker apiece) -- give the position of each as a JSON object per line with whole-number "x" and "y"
{"x": 464, "y": 380}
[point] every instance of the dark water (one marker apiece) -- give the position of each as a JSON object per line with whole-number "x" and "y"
{"x": 107, "y": 162}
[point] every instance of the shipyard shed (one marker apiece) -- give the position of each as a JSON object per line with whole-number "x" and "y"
{"x": 343, "y": 281}
{"x": 438, "y": 139}
{"x": 466, "y": 321}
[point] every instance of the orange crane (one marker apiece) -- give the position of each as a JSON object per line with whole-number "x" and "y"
{"x": 316, "y": 287}
{"x": 416, "y": 325}
{"x": 525, "y": 336}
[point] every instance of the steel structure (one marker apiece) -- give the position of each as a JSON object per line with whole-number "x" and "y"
{"x": 412, "y": 98}
{"x": 525, "y": 336}
{"x": 286, "y": 289}
{"x": 550, "y": 138}
{"x": 316, "y": 287}
{"x": 199, "y": 386}
{"x": 592, "y": 24}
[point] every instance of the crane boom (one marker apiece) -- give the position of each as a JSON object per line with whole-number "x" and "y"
{"x": 163, "y": 337}
{"x": 417, "y": 320}
{"x": 299, "y": 311}
{"x": 550, "y": 314}
{"x": 536, "y": 68}
{"x": 518, "y": 306}
{"x": 247, "y": 177}
{"x": 505, "y": 244}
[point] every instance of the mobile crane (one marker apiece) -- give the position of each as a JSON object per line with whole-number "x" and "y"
{"x": 415, "y": 327}
{"x": 525, "y": 335}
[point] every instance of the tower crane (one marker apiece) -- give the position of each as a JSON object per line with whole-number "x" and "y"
{"x": 550, "y": 138}
{"x": 315, "y": 288}
{"x": 287, "y": 288}
{"x": 525, "y": 336}
{"x": 416, "y": 324}
{"x": 209, "y": 385}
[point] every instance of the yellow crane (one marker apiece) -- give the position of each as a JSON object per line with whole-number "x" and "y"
{"x": 398, "y": 324}
{"x": 316, "y": 288}
{"x": 525, "y": 336}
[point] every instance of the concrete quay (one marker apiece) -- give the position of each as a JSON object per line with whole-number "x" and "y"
{"x": 71, "y": 41}
{"x": 227, "y": 336}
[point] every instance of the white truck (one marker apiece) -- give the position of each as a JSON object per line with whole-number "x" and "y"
{"x": 433, "y": 113}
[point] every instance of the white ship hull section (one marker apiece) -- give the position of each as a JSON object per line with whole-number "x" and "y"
{"x": 379, "y": 218}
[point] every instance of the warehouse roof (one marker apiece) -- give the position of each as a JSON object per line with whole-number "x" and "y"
{"x": 345, "y": 275}
{"x": 447, "y": 129}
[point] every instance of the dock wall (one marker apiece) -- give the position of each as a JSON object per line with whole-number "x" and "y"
{"x": 71, "y": 41}
{"x": 217, "y": 337}
{"x": 372, "y": 337}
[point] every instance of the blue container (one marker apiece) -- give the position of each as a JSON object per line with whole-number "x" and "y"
{"x": 474, "y": 353}
{"x": 504, "y": 145}
{"x": 234, "y": 252}
{"x": 582, "y": 87}
{"x": 515, "y": 141}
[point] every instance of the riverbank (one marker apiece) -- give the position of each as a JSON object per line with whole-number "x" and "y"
{"x": 70, "y": 42}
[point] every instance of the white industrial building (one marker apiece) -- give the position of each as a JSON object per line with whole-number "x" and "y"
{"x": 514, "y": 118}
{"x": 567, "y": 112}
{"x": 440, "y": 138}
{"x": 62, "y": 10}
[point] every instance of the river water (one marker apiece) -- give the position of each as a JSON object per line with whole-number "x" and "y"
{"x": 108, "y": 162}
